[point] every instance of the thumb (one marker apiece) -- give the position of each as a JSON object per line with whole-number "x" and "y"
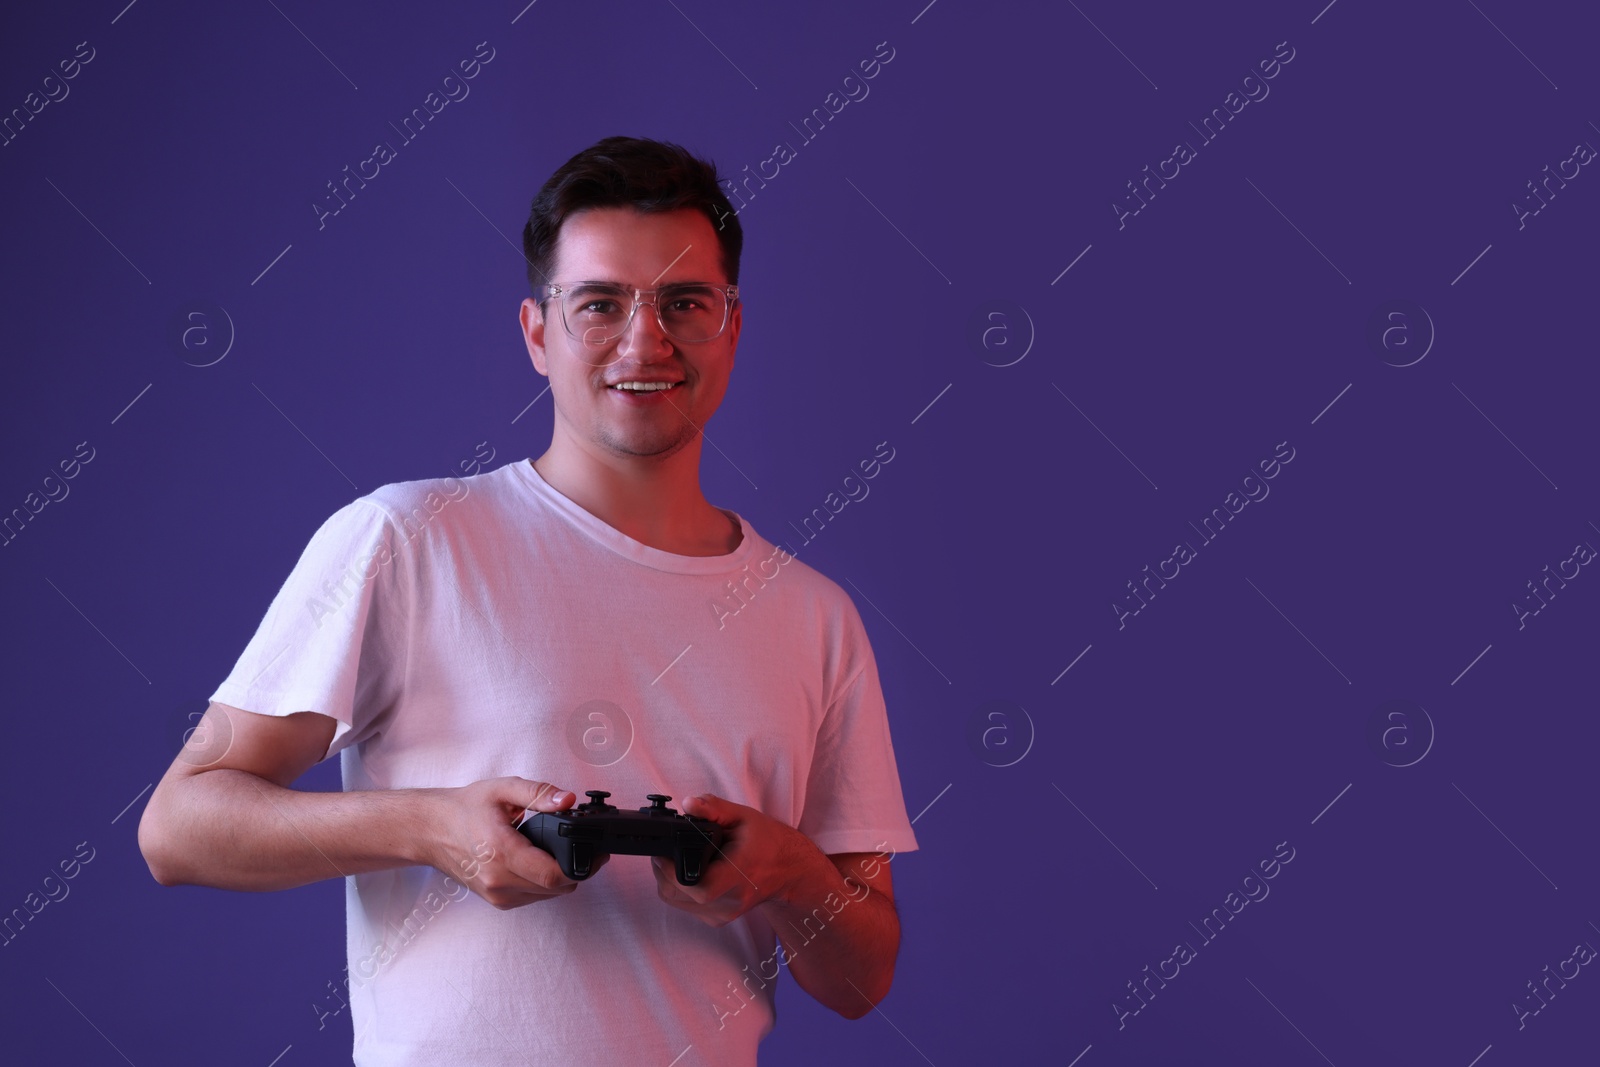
{"x": 710, "y": 806}
{"x": 540, "y": 796}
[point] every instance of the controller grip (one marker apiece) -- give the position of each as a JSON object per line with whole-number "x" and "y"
{"x": 575, "y": 858}
{"x": 691, "y": 865}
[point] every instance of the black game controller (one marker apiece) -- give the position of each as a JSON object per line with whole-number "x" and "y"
{"x": 576, "y": 836}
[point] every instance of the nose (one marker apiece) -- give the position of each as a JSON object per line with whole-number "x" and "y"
{"x": 644, "y": 339}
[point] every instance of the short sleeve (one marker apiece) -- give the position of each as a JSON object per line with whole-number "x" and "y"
{"x": 853, "y": 796}
{"x": 334, "y": 639}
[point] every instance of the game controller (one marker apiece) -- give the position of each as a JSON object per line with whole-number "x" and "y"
{"x": 576, "y": 836}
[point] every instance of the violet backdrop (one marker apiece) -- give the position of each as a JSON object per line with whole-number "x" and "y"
{"x": 1086, "y": 268}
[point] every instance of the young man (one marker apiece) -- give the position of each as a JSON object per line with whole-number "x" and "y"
{"x": 477, "y": 647}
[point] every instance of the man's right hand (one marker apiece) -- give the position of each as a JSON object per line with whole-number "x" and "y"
{"x": 477, "y": 845}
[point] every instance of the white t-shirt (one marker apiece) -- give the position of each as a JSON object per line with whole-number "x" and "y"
{"x": 463, "y": 629}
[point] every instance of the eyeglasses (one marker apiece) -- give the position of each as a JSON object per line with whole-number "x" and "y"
{"x": 596, "y": 314}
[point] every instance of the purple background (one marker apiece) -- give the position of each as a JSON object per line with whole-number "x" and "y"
{"x": 1234, "y": 712}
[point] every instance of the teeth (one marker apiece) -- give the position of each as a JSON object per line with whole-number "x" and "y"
{"x": 644, "y": 387}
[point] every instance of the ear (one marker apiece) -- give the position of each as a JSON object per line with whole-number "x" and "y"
{"x": 735, "y": 321}
{"x": 532, "y": 320}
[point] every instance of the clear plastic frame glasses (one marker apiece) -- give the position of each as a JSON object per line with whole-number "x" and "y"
{"x": 597, "y": 314}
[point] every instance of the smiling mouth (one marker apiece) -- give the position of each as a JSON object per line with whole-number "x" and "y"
{"x": 643, "y": 387}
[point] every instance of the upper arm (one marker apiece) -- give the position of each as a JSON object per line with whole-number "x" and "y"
{"x": 278, "y": 748}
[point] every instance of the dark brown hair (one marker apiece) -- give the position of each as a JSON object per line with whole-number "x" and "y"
{"x": 649, "y": 176}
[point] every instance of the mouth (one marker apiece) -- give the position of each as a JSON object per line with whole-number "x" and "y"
{"x": 641, "y": 386}
{"x": 642, "y": 392}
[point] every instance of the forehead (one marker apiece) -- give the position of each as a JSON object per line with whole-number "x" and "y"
{"x": 625, "y": 245}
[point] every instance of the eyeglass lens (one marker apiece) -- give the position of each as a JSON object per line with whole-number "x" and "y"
{"x": 599, "y": 314}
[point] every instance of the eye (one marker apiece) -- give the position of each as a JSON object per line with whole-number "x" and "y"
{"x": 688, "y": 301}
{"x": 595, "y": 300}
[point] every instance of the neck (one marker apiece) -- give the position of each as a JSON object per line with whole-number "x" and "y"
{"x": 657, "y": 501}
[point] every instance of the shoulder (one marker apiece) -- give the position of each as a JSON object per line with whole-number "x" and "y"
{"x": 435, "y": 511}
{"x": 413, "y": 506}
{"x": 809, "y": 592}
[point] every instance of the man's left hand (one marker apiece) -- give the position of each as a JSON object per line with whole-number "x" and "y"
{"x": 760, "y": 859}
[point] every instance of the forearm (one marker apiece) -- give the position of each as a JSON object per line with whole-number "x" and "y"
{"x": 233, "y": 830}
{"x": 839, "y": 938}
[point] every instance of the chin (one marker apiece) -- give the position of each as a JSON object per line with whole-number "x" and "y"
{"x": 647, "y": 448}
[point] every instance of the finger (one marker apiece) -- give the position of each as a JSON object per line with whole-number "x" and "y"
{"x": 671, "y": 893}
{"x": 710, "y": 806}
{"x": 666, "y": 880}
{"x": 668, "y": 886}
{"x": 536, "y": 869}
{"x": 521, "y": 898}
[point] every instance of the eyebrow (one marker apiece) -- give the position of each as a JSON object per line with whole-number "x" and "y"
{"x": 623, "y": 285}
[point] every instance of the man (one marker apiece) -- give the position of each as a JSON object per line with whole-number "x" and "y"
{"x": 474, "y": 648}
